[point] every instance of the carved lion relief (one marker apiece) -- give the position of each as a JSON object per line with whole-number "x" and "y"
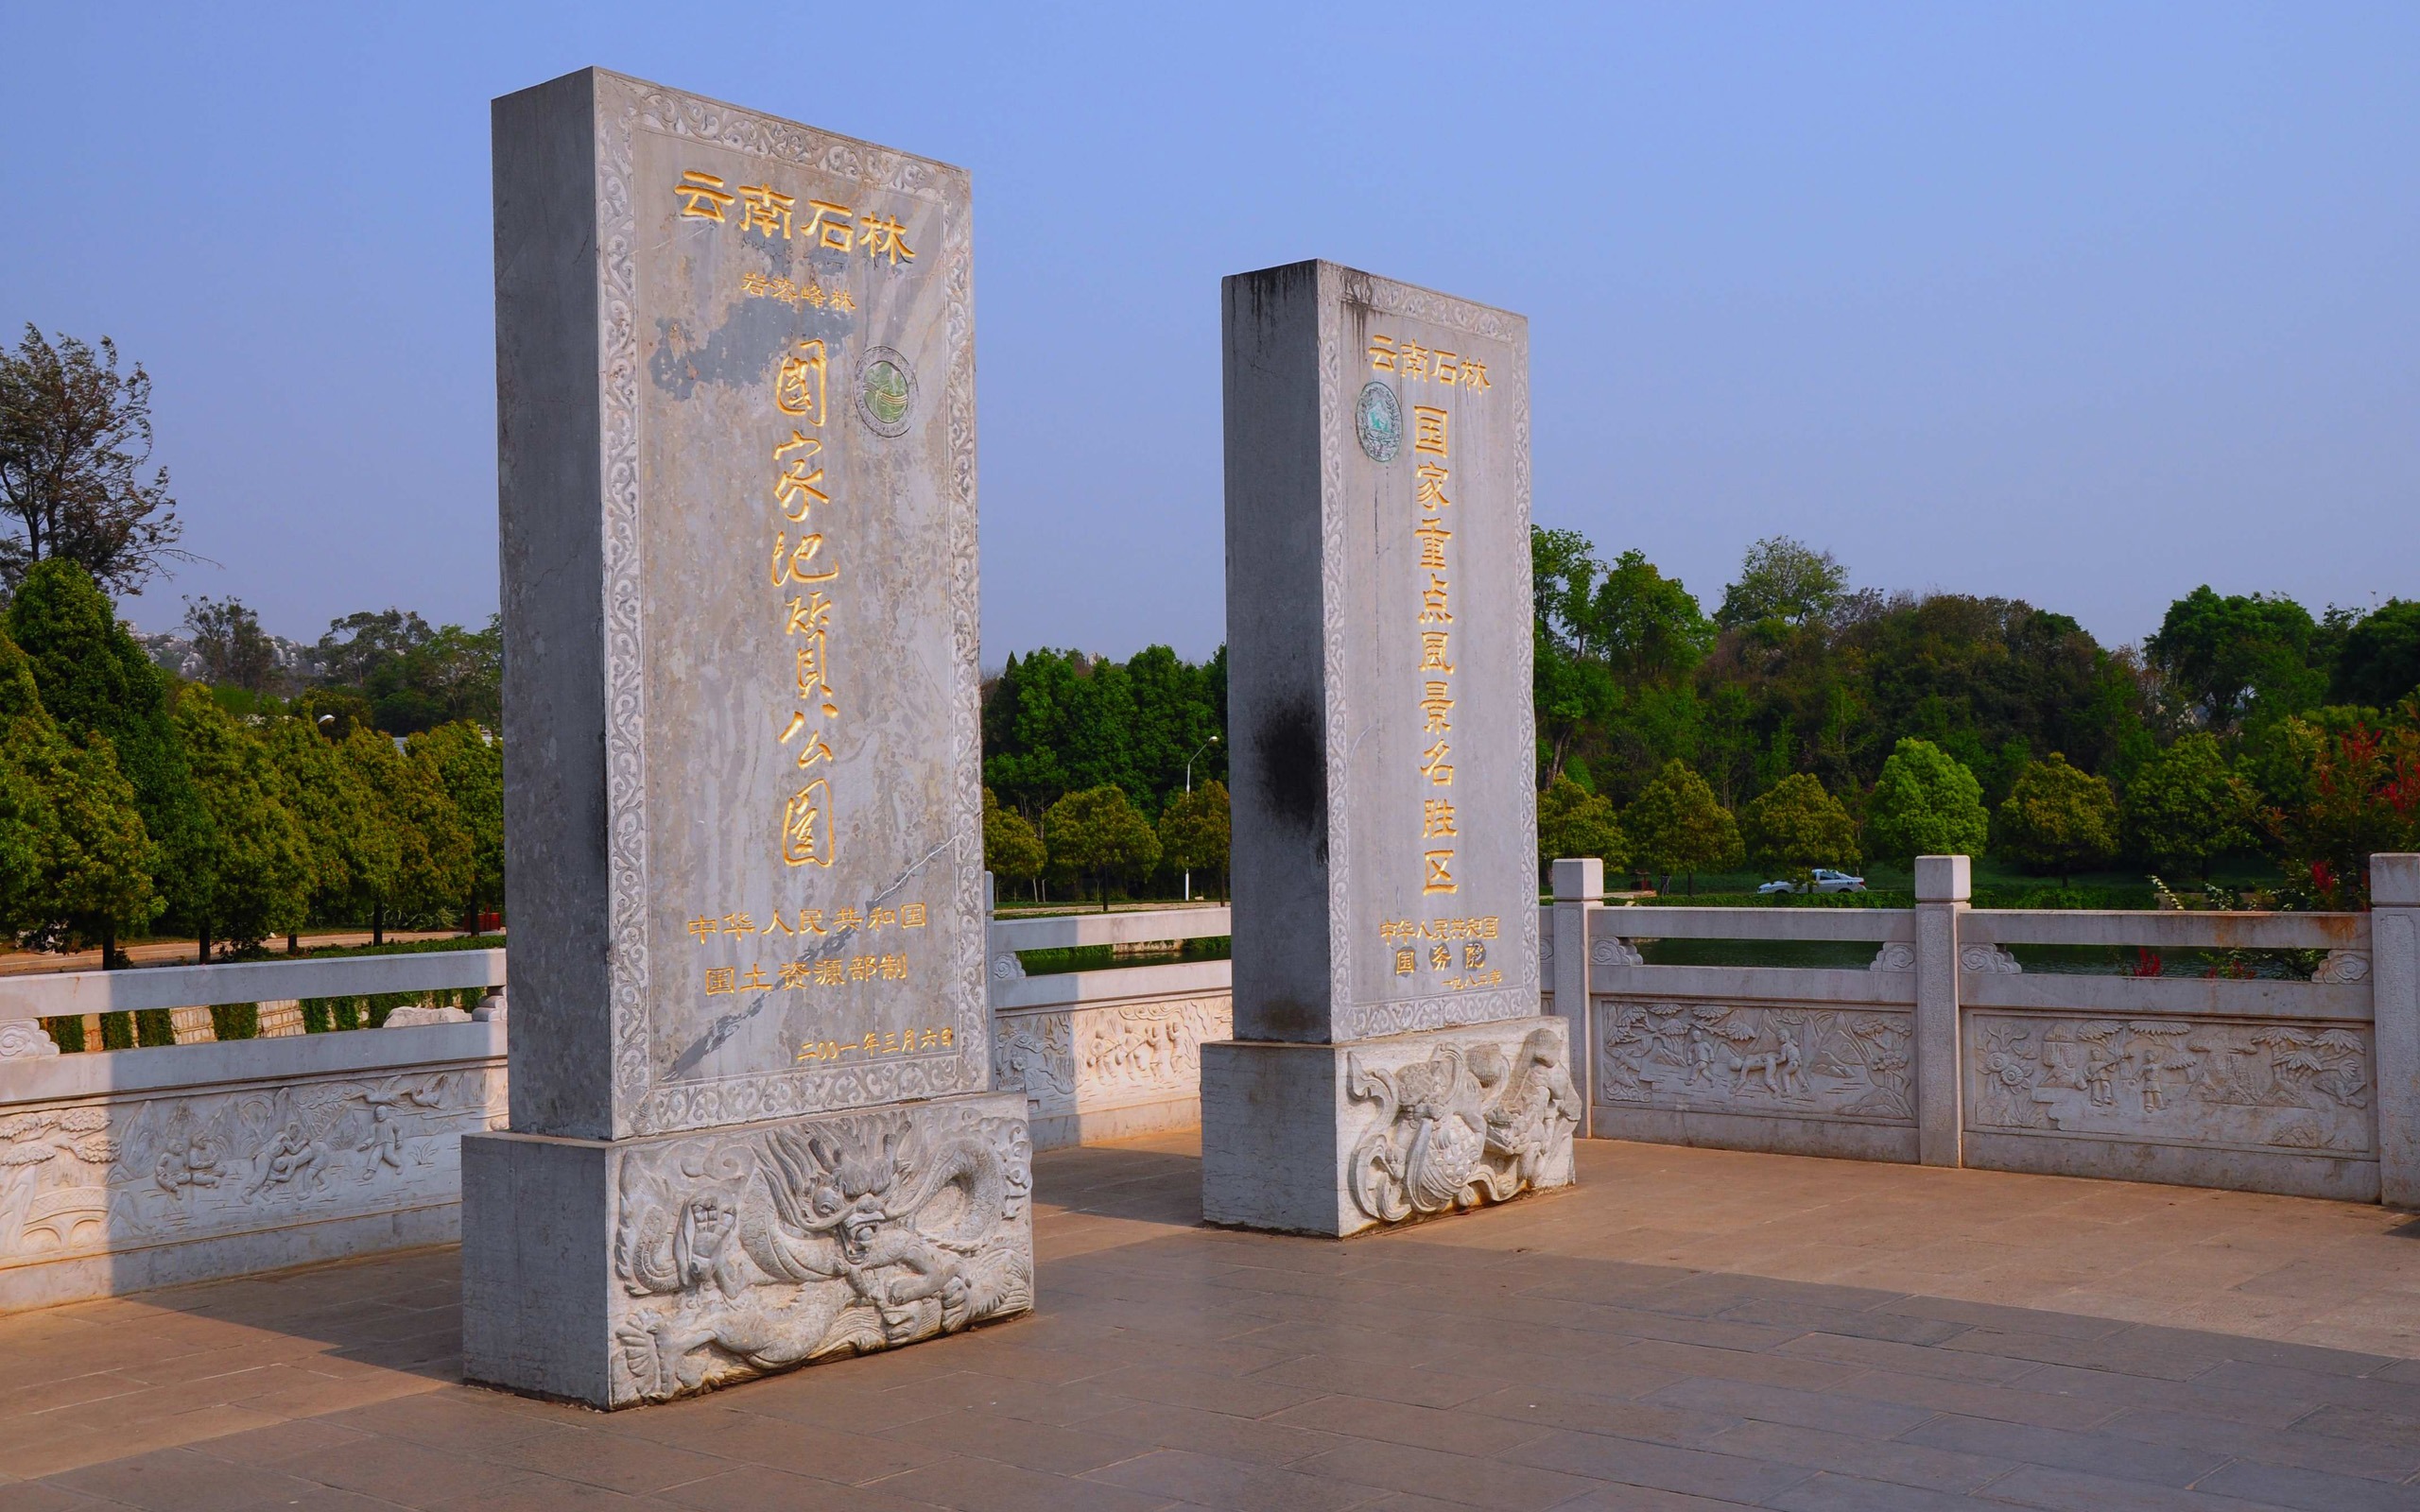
{"x": 739, "y": 1253}
{"x": 1840, "y": 1062}
{"x": 1470, "y": 1125}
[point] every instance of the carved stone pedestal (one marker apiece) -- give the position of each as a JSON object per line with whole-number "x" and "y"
{"x": 618, "y": 1272}
{"x": 1336, "y": 1139}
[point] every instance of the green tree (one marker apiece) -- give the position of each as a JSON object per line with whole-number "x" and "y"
{"x": 235, "y": 652}
{"x": 468, "y": 763}
{"x": 75, "y": 437}
{"x": 1795, "y": 826}
{"x": 1650, "y": 627}
{"x": 95, "y": 679}
{"x": 75, "y": 861}
{"x": 1056, "y": 722}
{"x": 2378, "y": 664}
{"x": 1195, "y": 829}
{"x": 1096, "y": 833}
{"x": 2057, "y": 819}
{"x": 1011, "y": 851}
{"x": 1784, "y": 581}
{"x": 1675, "y": 825}
{"x": 2185, "y": 808}
{"x": 337, "y": 813}
{"x": 1574, "y": 824}
{"x": 260, "y": 878}
{"x": 433, "y": 862}
{"x": 2230, "y": 655}
{"x": 1926, "y": 803}
{"x": 2358, "y": 797}
{"x": 413, "y": 677}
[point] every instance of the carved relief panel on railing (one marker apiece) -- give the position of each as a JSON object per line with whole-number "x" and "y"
{"x": 87, "y": 1177}
{"x": 1077, "y": 1059}
{"x": 2301, "y": 1087}
{"x": 1852, "y": 1062}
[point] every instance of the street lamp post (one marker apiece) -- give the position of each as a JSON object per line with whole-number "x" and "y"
{"x": 1188, "y": 792}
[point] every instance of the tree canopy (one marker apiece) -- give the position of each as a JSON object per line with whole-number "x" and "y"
{"x": 1794, "y": 826}
{"x": 1057, "y": 722}
{"x": 74, "y": 439}
{"x": 1011, "y": 851}
{"x": 1926, "y": 803}
{"x": 2185, "y": 807}
{"x": 2057, "y": 818}
{"x": 1194, "y": 830}
{"x": 1098, "y": 835}
{"x": 1675, "y": 825}
{"x": 1574, "y": 824}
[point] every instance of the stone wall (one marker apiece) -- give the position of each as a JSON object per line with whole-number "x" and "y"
{"x": 130, "y": 1169}
{"x": 1945, "y": 1051}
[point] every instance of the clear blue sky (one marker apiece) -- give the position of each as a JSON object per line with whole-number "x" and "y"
{"x": 2082, "y": 304}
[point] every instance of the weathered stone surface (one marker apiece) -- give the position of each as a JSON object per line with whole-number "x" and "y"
{"x": 1385, "y": 840}
{"x": 642, "y": 1269}
{"x": 1333, "y": 1139}
{"x": 1116, "y": 1071}
{"x": 736, "y": 363}
{"x": 139, "y": 1168}
{"x": 1379, "y": 651}
{"x": 735, "y": 369}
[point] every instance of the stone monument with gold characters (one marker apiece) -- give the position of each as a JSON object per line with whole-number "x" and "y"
{"x": 1390, "y": 1060}
{"x": 752, "y": 1120}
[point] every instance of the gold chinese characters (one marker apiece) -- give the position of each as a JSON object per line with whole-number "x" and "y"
{"x": 1432, "y": 449}
{"x": 760, "y": 210}
{"x": 888, "y": 1043}
{"x": 1409, "y": 360}
{"x": 1444, "y": 945}
{"x": 832, "y": 970}
{"x": 792, "y": 293}
{"x": 797, "y": 562}
{"x": 810, "y": 922}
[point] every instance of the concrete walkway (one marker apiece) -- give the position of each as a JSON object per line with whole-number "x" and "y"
{"x": 1690, "y": 1330}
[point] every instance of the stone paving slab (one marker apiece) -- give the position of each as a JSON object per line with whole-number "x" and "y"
{"x": 1687, "y": 1329}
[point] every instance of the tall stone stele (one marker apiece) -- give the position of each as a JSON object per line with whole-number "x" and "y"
{"x": 1389, "y": 1058}
{"x": 751, "y": 1121}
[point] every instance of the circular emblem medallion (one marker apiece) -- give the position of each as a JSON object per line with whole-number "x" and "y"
{"x": 1379, "y": 418}
{"x": 885, "y": 391}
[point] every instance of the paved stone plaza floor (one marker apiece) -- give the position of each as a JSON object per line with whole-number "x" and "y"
{"x": 1689, "y": 1328}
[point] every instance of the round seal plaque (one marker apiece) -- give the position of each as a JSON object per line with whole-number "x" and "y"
{"x": 885, "y": 391}
{"x": 1379, "y": 418}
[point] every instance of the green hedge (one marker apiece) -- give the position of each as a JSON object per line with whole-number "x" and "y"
{"x": 2003, "y": 896}
{"x": 369, "y": 1010}
{"x": 1103, "y": 957}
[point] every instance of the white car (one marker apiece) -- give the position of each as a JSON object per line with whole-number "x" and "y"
{"x": 1826, "y": 880}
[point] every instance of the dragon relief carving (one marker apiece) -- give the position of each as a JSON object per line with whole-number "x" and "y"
{"x": 2287, "y": 1085}
{"x": 1801, "y": 1060}
{"x": 754, "y": 1252}
{"x": 1470, "y": 1123}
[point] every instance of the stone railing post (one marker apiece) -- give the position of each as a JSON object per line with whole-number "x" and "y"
{"x": 2395, "y": 983}
{"x": 1942, "y": 886}
{"x": 1578, "y": 894}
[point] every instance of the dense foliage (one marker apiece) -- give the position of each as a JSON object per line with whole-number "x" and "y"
{"x": 130, "y": 801}
{"x": 1807, "y": 722}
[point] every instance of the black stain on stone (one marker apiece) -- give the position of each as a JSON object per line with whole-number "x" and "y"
{"x": 741, "y": 353}
{"x": 1293, "y": 751}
